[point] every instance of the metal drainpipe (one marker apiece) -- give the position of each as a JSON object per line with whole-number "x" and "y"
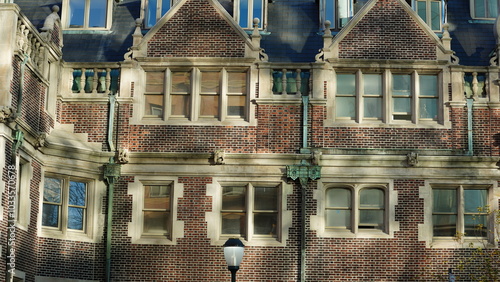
{"x": 470, "y": 140}
{"x": 305, "y": 109}
{"x": 111, "y": 174}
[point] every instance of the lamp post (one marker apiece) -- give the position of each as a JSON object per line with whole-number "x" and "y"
{"x": 233, "y": 253}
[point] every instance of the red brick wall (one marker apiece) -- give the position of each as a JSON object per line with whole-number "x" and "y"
{"x": 209, "y": 35}
{"x": 387, "y": 32}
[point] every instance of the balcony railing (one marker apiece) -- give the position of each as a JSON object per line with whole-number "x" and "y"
{"x": 285, "y": 81}
{"x": 95, "y": 80}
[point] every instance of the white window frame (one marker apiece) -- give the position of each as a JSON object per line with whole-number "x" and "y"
{"x": 250, "y": 14}
{"x": 66, "y": 16}
{"x": 473, "y": 10}
{"x": 425, "y": 231}
{"x": 214, "y": 190}
{"x": 194, "y": 116}
{"x": 158, "y": 13}
{"x": 318, "y": 221}
{"x": 428, "y": 19}
{"x": 351, "y": 9}
{"x": 387, "y": 99}
{"x": 95, "y": 192}
{"x": 135, "y": 227}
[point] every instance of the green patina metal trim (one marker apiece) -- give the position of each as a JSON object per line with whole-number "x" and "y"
{"x": 18, "y": 141}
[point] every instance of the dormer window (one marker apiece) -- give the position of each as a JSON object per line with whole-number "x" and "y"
{"x": 154, "y": 10}
{"x": 431, "y": 11}
{"x": 339, "y": 12}
{"x": 246, "y": 10}
{"x": 86, "y": 14}
{"x": 484, "y": 9}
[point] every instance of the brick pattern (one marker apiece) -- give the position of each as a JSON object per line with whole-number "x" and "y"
{"x": 196, "y": 30}
{"x": 387, "y": 32}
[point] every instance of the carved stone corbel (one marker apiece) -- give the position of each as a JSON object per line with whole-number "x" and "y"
{"x": 316, "y": 157}
{"x": 40, "y": 140}
{"x": 7, "y": 114}
{"x": 219, "y": 156}
{"x": 412, "y": 159}
{"x": 123, "y": 157}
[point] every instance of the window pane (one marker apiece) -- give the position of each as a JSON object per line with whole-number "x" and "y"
{"x": 492, "y": 8}
{"x": 50, "y": 215}
{"x": 445, "y": 200}
{"x": 479, "y": 9}
{"x": 435, "y": 15}
{"x": 476, "y": 226}
{"x": 258, "y": 11}
{"x": 265, "y": 223}
{"x": 266, "y": 198}
{"x": 165, "y": 6}
{"x": 346, "y": 84}
{"x": 209, "y": 105}
{"x": 444, "y": 225}
{"x": 157, "y": 197}
{"x": 154, "y": 81}
{"x": 77, "y": 193}
{"x": 244, "y": 13}
{"x": 372, "y": 198}
{"x": 210, "y": 82}
{"x": 373, "y": 84}
{"x": 345, "y": 107}
{"x": 338, "y": 218}
{"x": 371, "y": 218}
{"x": 429, "y": 108}
{"x": 422, "y": 10}
{"x": 373, "y": 107}
{"x": 75, "y": 218}
{"x": 156, "y": 222}
{"x": 237, "y": 82}
{"x": 338, "y": 198}
{"x": 52, "y": 190}
{"x": 233, "y": 223}
{"x": 402, "y": 105}
{"x": 236, "y": 105}
{"x": 401, "y": 85}
{"x": 76, "y": 13}
{"x": 151, "y": 13}
{"x": 233, "y": 198}
{"x": 180, "y": 105}
{"x": 97, "y": 17}
{"x": 181, "y": 82}
{"x": 428, "y": 85}
{"x": 153, "y": 105}
{"x": 330, "y": 12}
{"x": 475, "y": 200}
{"x": 344, "y": 12}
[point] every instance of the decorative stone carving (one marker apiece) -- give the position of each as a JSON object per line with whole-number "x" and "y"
{"x": 123, "y": 157}
{"x": 316, "y": 157}
{"x": 412, "y": 159}
{"x": 7, "y": 114}
{"x": 219, "y": 156}
{"x": 52, "y": 24}
{"x": 40, "y": 140}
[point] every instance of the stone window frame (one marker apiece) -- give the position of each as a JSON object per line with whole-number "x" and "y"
{"x": 387, "y": 119}
{"x": 65, "y": 16}
{"x": 391, "y": 200}
{"x": 135, "y": 227}
{"x": 140, "y": 116}
{"x": 425, "y": 230}
{"x": 23, "y": 190}
{"x": 94, "y": 227}
{"x": 473, "y": 10}
{"x": 213, "y": 218}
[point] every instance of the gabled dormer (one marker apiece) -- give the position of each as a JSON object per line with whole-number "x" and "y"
{"x": 197, "y": 67}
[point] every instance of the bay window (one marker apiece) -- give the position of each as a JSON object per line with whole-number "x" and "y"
{"x": 154, "y": 10}
{"x": 87, "y": 14}
{"x": 246, "y": 10}
{"x": 432, "y": 12}
{"x": 339, "y": 12}
{"x": 484, "y": 9}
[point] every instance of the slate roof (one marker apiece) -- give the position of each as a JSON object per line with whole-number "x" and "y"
{"x": 293, "y": 26}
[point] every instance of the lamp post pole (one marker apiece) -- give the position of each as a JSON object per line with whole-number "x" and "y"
{"x": 233, "y": 253}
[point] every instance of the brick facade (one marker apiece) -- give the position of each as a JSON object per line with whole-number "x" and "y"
{"x": 257, "y": 152}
